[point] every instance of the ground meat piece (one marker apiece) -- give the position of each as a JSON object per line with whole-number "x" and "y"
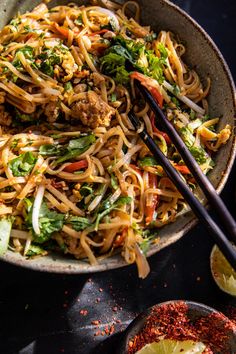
{"x": 51, "y": 111}
{"x": 93, "y": 111}
{"x": 5, "y": 118}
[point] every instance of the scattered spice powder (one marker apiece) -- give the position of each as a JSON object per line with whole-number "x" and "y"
{"x": 98, "y": 333}
{"x": 171, "y": 321}
{"x": 112, "y": 330}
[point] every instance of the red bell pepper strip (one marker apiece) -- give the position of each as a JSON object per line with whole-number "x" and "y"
{"x": 153, "y": 90}
{"x": 64, "y": 31}
{"x": 150, "y": 209}
{"x": 156, "y": 94}
{"x": 182, "y": 169}
{"x": 120, "y": 238}
{"x": 156, "y": 130}
{"x": 76, "y": 166}
{"x": 136, "y": 168}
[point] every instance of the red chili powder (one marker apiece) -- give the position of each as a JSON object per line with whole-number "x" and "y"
{"x": 172, "y": 321}
{"x": 214, "y": 330}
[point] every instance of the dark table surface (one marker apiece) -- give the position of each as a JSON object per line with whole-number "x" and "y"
{"x": 46, "y": 314}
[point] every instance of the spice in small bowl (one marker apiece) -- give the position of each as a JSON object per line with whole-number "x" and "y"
{"x": 192, "y": 327}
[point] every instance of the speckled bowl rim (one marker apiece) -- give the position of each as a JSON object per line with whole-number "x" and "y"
{"x": 68, "y": 268}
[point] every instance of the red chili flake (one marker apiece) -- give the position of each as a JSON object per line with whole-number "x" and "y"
{"x": 97, "y": 300}
{"x": 95, "y": 322}
{"x": 101, "y": 290}
{"x": 171, "y": 321}
{"x": 112, "y": 329}
{"x": 107, "y": 330}
{"x": 83, "y": 312}
{"x": 115, "y": 308}
{"x": 98, "y": 333}
{"x": 215, "y": 330}
{"x": 118, "y": 321}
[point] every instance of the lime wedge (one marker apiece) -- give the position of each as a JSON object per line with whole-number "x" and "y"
{"x": 222, "y": 272}
{"x": 170, "y": 346}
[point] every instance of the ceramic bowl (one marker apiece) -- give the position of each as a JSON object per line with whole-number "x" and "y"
{"x": 203, "y": 55}
{"x": 195, "y": 311}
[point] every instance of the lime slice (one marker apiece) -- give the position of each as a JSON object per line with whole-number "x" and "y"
{"x": 170, "y": 346}
{"x": 222, "y": 272}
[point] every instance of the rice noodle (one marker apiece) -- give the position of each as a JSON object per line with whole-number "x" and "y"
{"x": 184, "y": 99}
{"x": 24, "y": 235}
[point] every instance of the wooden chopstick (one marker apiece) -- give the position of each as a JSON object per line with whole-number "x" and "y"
{"x": 227, "y": 221}
{"x": 220, "y": 239}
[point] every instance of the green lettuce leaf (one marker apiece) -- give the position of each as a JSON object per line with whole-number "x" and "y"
{"x": 78, "y": 223}
{"x": 49, "y": 222}
{"x": 22, "y": 165}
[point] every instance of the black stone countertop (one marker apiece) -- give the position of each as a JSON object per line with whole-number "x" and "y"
{"x": 48, "y": 314}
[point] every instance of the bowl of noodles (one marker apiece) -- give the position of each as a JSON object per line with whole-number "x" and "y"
{"x": 79, "y": 191}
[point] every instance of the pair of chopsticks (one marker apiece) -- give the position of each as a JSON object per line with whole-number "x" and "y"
{"x": 213, "y": 198}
